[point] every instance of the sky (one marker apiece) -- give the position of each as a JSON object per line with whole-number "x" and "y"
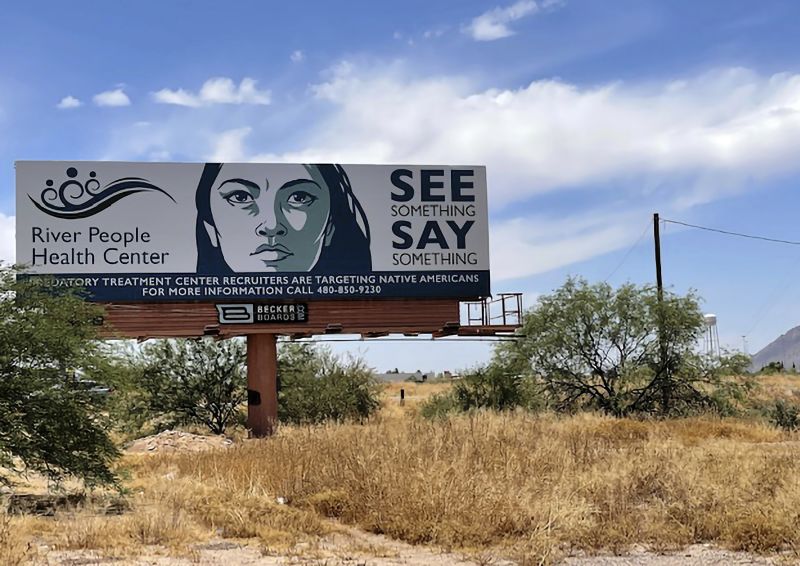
{"x": 589, "y": 116}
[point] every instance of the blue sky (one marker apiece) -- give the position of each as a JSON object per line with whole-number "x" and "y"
{"x": 589, "y": 116}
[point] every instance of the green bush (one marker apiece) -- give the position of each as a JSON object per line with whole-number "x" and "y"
{"x": 625, "y": 351}
{"x": 178, "y": 382}
{"x": 168, "y": 383}
{"x": 493, "y": 387}
{"x": 49, "y": 422}
{"x": 439, "y": 406}
{"x": 489, "y": 387}
{"x": 315, "y": 386}
{"x": 772, "y": 368}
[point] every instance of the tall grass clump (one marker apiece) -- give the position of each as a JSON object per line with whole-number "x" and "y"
{"x": 15, "y": 549}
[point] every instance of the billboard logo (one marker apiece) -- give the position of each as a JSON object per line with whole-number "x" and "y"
{"x": 263, "y": 313}
{"x": 235, "y": 314}
{"x": 75, "y": 199}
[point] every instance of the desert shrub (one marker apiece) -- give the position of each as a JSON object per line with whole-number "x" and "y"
{"x": 181, "y": 382}
{"x": 487, "y": 387}
{"x": 128, "y": 404}
{"x": 772, "y": 368}
{"x": 315, "y": 386}
{"x": 439, "y": 406}
{"x": 493, "y": 387}
{"x": 785, "y": 415}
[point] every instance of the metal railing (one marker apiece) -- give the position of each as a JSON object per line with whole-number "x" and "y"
{"x": 503, "y": 310}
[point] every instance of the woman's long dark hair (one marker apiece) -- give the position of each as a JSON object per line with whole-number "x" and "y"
{"x": 346, "y": 251}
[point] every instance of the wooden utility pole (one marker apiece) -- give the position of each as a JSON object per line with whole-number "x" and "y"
{"x": 262, "y": 384}
{"x": 666, "y": 390}
{"x": 657, "y": 240}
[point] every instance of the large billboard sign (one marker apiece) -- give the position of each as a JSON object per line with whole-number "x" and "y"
{"x": 217, "y": 231}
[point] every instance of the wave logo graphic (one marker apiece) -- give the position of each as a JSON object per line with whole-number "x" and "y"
{"x": 74, "y": 199}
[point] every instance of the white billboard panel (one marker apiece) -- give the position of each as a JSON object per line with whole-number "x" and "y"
{"x": 207, "y": 231}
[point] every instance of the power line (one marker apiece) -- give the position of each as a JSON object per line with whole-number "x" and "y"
{"x": 769, "y": 303}
{"x": 628, "y": 253}
{"x": 729, "y": 233}
{"x": 772, "y": 299}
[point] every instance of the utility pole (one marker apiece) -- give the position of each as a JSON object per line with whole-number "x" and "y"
{"x": 657, "y": 240}
{"x": 666, "y": 378}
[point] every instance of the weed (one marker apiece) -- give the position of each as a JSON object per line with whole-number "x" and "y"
{"x": 15, "y": 550}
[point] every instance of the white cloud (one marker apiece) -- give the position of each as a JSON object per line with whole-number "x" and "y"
{"x": 162, "y": 155}
{"x": 178, "y": 97}
{"x": 297, "y": 56}
{"x": 229, "y": 146}
{"x": 116, "y": 97}
{"x": 8, "y": 252}
{"x": 532, "y": 244}
{"x": 69, "y": 102}
{"x": 218, "y": 90}
{"x": 493, "y": 24}
{"x": 732, "y": 125}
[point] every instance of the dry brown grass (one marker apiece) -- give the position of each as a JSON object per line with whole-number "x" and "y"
{"x": 530, "y": 486}
{"x": 16, "y": 548}
{"x": 521, "y": 486}
{"x": 416, "y": 395}
{"x": 777, "y": 386}
{"x": 87, "y": 528}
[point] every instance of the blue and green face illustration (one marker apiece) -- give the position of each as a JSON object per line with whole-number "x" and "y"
{"x": 275, "y": 223}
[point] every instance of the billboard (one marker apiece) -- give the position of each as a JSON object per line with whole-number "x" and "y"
{"x": 129, "y": 231}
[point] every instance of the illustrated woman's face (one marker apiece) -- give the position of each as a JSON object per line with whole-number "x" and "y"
{"x": 277, "y": 222}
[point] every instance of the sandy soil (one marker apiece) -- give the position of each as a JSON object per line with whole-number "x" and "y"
{"x": 362, "y": 549}
{"x": 176, "y": 441}
{"x": 695, "y": 555}
{"x": 351, "y": 548}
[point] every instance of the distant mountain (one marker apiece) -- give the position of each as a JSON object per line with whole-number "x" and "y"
{"x": 784, "y": 349}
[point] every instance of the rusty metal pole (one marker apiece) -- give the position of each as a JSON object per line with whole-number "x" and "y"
{"x": 262, "y": 384}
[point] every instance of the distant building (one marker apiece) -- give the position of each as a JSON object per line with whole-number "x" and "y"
{"x": 398, "y": 376}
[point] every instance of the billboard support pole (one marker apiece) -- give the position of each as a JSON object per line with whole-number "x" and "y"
{"x": 262, "y": 384}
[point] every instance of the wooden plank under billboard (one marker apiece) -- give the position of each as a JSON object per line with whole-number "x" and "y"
{"x": 142, "y": 320}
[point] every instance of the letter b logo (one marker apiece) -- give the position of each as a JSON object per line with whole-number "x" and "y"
{"x": 235, "y": 314}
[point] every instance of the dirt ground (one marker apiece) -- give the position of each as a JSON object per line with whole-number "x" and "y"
{"x": 176, "y": 441}
{"x": 356, "y": 548}
{"x": 695, "y": 555}
{"x": 351, "y": 548}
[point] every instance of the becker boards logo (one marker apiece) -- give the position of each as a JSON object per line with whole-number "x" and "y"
{"x": 81, "y": 199}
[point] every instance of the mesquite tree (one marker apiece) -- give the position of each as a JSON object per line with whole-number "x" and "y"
{"x": 193, "y": 381}
{"x": 622, "y": 351}
{"x": 49, "y": 422}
